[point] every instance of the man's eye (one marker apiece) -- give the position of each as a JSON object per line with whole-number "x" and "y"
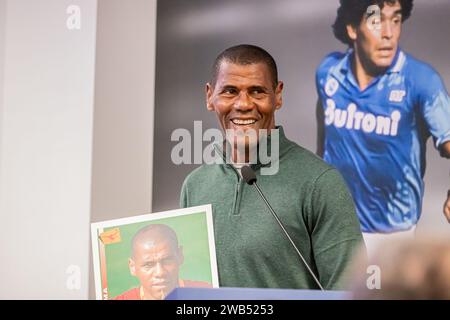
{"x": 229, "y": 91}
{"x": 397, "y": 20}
{"x": 258, "y": 92}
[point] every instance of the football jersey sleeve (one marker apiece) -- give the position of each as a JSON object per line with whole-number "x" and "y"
{"x": 324, "y": 68}
{"x": 433, "y": 103}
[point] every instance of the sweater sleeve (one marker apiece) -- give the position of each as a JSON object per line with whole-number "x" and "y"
{"x": 336, "y": 233}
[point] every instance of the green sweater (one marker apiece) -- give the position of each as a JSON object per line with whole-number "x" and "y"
{"x": 310, "y": 198}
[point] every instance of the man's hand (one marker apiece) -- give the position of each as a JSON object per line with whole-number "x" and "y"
{"x": 444, "y": 149}
{"x": 447, "y": 207}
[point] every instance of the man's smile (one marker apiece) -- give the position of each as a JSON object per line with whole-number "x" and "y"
{"x": 243, "y": 122}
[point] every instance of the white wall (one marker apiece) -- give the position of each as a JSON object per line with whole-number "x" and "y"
{"x": 124, "y": 98}
{"x": 2, "y": 63}
{"x": 70, "y": 155}
{"x": 124, "y": 108}
{"x": 46, "y": 134}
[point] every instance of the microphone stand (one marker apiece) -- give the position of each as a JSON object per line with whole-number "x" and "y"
{"x": 250, "y": 177}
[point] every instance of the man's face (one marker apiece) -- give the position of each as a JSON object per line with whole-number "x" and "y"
{"x": 244, "y": 97}
{"x": 156, "y": 265}
{"x": 377, "y": 46}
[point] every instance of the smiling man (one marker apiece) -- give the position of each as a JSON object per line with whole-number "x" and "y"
{"x": 310, "y": 197}
{"x": 232, "y": 94}
{"x": 377, "y": 107}
{"x": 155, "y": 260}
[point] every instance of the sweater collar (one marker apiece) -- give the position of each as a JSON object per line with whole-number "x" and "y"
{"x": 284, "y": 146}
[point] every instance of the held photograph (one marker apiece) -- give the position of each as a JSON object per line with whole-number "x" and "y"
{"x": 146, "y": 257}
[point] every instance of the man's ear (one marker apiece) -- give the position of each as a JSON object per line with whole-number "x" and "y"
{"x": 180, "y": 255}
{"x": 279, "y": 95}
{"x": 209, "y": 93}
{"x": 351, "y": 32}
{"x": 132, "y": 267}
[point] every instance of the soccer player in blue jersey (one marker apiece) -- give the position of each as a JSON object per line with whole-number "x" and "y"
{"x": 377, "y": 107}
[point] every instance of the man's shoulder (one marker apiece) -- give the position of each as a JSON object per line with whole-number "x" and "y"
{"x": 132, "y": 294}
{"x": 330, "y": 60}
{"x": 422, "y": 78}
{"x": 421, "y": 70}
{"x": 306, "y": 161}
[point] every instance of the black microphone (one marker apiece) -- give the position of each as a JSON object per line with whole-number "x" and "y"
{"x": 250, "y": 178}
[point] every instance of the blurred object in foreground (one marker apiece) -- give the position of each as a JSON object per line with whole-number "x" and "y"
{"x": 412, "y": 269}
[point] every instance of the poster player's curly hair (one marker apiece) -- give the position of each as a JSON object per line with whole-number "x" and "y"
{"x": 351, "y": 12}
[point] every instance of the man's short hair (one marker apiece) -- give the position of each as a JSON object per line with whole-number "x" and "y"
{"x": 351, "y": 12}
{"x": 245, "y": 54}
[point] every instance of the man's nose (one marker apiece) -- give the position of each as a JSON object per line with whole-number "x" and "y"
{"x": 386, "y": 30}
{"x": 243, "y": 102}
{"x": 159, "y": 269}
